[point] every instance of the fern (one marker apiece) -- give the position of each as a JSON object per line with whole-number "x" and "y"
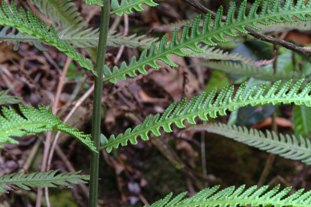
{"x": 283, "y": 27}
{"x": 212, "y": 32}
{"x": 29, "y": 24}
{"x": 127, "y": 6}
{"x": 213, "y": 105}
{"x": 6, "y": 99}
{"x": 286, "y": 146}
{"x": 241, "y": 196}
{"x": 94, "y": 2}
{"x": 263, "y": 73}
{"x": 40, "y": 179}
{"x": 88, "y": 38}
{"x": 302, "y": 122}
{"x": 212, "y": 53}
{"x": 34, "y": 121}
{"x": 63, "y": 11}
{"x": 81, "y": 38}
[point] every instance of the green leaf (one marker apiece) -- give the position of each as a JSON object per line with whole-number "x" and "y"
{"x": 94, "y": 2}
{"x": 285, "y": 145}
{"x": 213, "y": 32}
{"x": 240, "y": 196}
{"x": 22, "y": 181}
{"x": 65, "y": 12}
{"x": 28, "y": 23}
{"x": 127, "y": 6}
{"x": 207, "y": 106}
{"x": 302, "y": 121}
{"x": 6, "y": 99}
{"x": 33, "y": 121}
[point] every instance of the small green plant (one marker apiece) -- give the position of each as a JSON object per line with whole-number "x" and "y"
{"x": 197, "y": 38}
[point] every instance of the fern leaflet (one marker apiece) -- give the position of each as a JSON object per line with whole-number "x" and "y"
{"x": 94, "y": 2}
{"x": 213, "y": 105}
{"x": 63, "y": 11}
{"x": 241, "y": 196}
{"x": 40, "y": 179}
{"x": 28, "y": 23}
{"x": 6, "y": 99}
{"x": 212, "y": 32}
{"x": 34, "y": 121}
{"x": 127, "y": 6}
{"x": 262, "y": 73}
{"x": 212, "y": 53}
{"x": 284, "y": 145}
{"x": 302, "y": 122}
{"x": 88, "y": 38}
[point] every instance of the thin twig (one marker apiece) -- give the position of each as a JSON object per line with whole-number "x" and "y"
{"x": 125, "y": 33}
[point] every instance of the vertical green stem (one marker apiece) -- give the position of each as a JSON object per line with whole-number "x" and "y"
{"x": 96, "y": 119}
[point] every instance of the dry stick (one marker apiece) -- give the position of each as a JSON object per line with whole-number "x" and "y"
{"x": 48, "y": 141}
{"x": 56, "y": 148}
{"x": 254, "y": 33}
{"x": 126, "y": 30}
{"x": 72, "y": 111}
{"x": 271, "y": 158}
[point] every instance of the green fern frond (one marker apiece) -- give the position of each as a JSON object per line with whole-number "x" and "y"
{"x": 241, "y": 196}
{"x": 88, "y": 38}
{"x": 94, "y": 2}
{"x": 81, "y": 38}
{"x": 213, "y": 31}
{"x": 285, "y": 145}
{"x": 127, "y": 6}
{"x": 28, "y": 23}
{"x": 205, "y": 107}
{"x": 64, "y": 12}
{"x": 40, "y": 179}
{"x": 302, "y": 121}
{"x": 33, "y": 121}
{"x": 262, "y": 73}
{"x": 7, "y": 99}
{"x": 9, "y": 34}
{"x": 283, "y": 27}
{"x": 212, "y": 53}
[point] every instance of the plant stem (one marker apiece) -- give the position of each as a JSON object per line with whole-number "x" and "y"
{"x": 96, "y": 119}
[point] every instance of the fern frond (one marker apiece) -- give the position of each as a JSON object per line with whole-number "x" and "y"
{"x": 205, "y": 107}
{"x": 214, "y": 31}
{"x": 262, "y": 73}
{"x": 88, "y": 38}
{"x": 283, "y": 27}
{"x": 7, "y": 99}
{"x": 127, "y": 6}
{"x": 240, "y": 196}
{"x": 28, "y": 23}
{"x": 63, "y": 11}
{"x": 34, "y": 121}
{"x": 81, "y": 38}
{"x": 212, "y": 53}
{"x": 94, "y": 2}
{"x": 302, "y": 121}
{"x": 285, "y": 145}
{"x": 40, "y": 179}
